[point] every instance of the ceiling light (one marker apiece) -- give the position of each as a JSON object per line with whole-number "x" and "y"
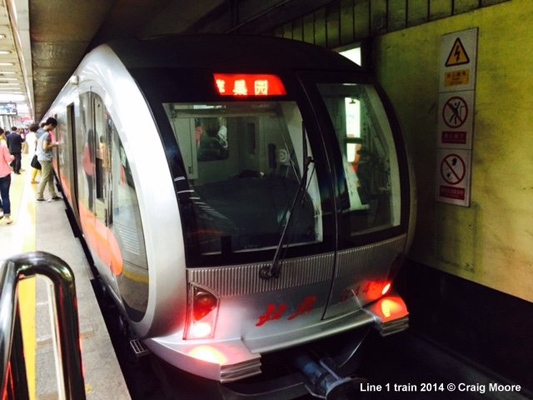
{"x": 8, "y": 72}
{"x": 2, "y": 36}
{"x": 5, "y": 78}
{"x": 6, "y": 64}
{"x": 7, "y": 97}
{"x": 5, "y": 52}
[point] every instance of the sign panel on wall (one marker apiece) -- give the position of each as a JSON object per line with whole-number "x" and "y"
{"x": 8, "y": 109}
{"x": 456, "y": 120}
{"x": 455, "y": 126}
{"x": 458, "y": 61}
{"x": 453, "y": 177}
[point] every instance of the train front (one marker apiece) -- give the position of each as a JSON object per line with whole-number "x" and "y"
{"x": 293, "y": 191}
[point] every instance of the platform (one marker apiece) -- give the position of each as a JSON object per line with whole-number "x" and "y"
{"x": 45, "y": 227}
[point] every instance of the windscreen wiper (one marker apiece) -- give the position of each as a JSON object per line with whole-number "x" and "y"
{"x": 273, "y": 270}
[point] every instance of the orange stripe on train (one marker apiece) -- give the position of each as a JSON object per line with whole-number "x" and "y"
{"x": 99, "y": 237}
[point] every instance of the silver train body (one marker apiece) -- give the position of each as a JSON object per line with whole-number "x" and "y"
{"x": 182, "y": 160}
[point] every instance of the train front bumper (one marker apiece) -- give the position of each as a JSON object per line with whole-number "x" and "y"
{"x": 232, "y": 360}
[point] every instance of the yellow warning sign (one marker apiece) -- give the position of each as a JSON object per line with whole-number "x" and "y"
{"x": 458, "y": 55}
{"x": 457, "y": 77}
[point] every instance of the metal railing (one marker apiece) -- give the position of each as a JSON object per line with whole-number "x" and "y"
{"x": 13, "y": 379}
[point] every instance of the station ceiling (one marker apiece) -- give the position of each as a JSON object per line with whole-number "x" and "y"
{"x": 46, "y": 39}
{"x": 62, "y": 31}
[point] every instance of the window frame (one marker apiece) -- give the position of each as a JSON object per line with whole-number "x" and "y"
{"x": 197, "y": 86}
{"x": 310, "y": 81}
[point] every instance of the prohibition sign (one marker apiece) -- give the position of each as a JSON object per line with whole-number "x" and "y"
{"x": 455, "y": 112}
{"x": 452, "y": 169}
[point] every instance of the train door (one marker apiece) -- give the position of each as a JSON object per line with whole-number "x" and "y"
{"x": 55, "y": 136}
{"x": 72, "y": 175}
{"x": 85, "y": 170}
{"x": 102, "y": 189}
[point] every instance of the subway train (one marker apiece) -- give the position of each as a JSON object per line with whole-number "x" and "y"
{"x": 246, "y": 201}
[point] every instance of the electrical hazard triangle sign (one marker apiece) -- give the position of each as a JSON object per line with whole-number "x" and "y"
{"x": 457, "y": 61}
{"x": 458, "y": 55}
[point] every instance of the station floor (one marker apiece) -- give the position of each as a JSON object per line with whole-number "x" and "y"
{"x": 44, "y": 226}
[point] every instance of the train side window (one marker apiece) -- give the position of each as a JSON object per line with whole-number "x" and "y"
{"x": 85, "y": 154}
{"x": 127, "y": 229}
{"x": 372, "y": 178}
{"x": 126, "y": 215}
{"x": 101, "y": 147}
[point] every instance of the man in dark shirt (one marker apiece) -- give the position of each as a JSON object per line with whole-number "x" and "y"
{"x": 14, "y": 142}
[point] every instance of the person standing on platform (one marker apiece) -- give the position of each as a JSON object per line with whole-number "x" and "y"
{"x": 45, "y": 156}
{"x": 23, "y": 134}
{"x": 31, "y": 140}
{"x": 8, "y": 134}
{"x": 14, "y": 142}
{"x": 5, "y": 178}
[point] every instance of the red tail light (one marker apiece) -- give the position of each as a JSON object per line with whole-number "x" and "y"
{"x": 386, "y": 288}
{"x": 202, "y": 313}
{"x": 390, "y": 308}
{"x": 204, "y": 303}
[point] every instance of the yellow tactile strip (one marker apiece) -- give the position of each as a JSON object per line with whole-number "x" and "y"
{"x": 44, "y": 226}
{"x": 19, "y": 237}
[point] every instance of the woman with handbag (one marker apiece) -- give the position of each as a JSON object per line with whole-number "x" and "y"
{"x": 5, "y": 178}
{"x": 31, "y": 139}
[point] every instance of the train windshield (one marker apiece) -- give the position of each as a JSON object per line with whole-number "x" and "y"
{"x": 244, "y": 162}
{"x": 371, "y": 199}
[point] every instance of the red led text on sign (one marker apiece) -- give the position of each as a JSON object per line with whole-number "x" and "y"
{"x": 249, "y": 85}
{"x": 221, "y": 86}
{"x": 273, "y": 313}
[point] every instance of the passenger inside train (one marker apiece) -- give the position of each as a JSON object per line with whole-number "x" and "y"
{"x": 245, "y": 169}
{"x": 244, "y": 161}
{"x": 211, "y": 139}
{"x": 368, "y": 159}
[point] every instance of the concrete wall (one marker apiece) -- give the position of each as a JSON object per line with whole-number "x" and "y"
{"x": 491, "y": 242}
